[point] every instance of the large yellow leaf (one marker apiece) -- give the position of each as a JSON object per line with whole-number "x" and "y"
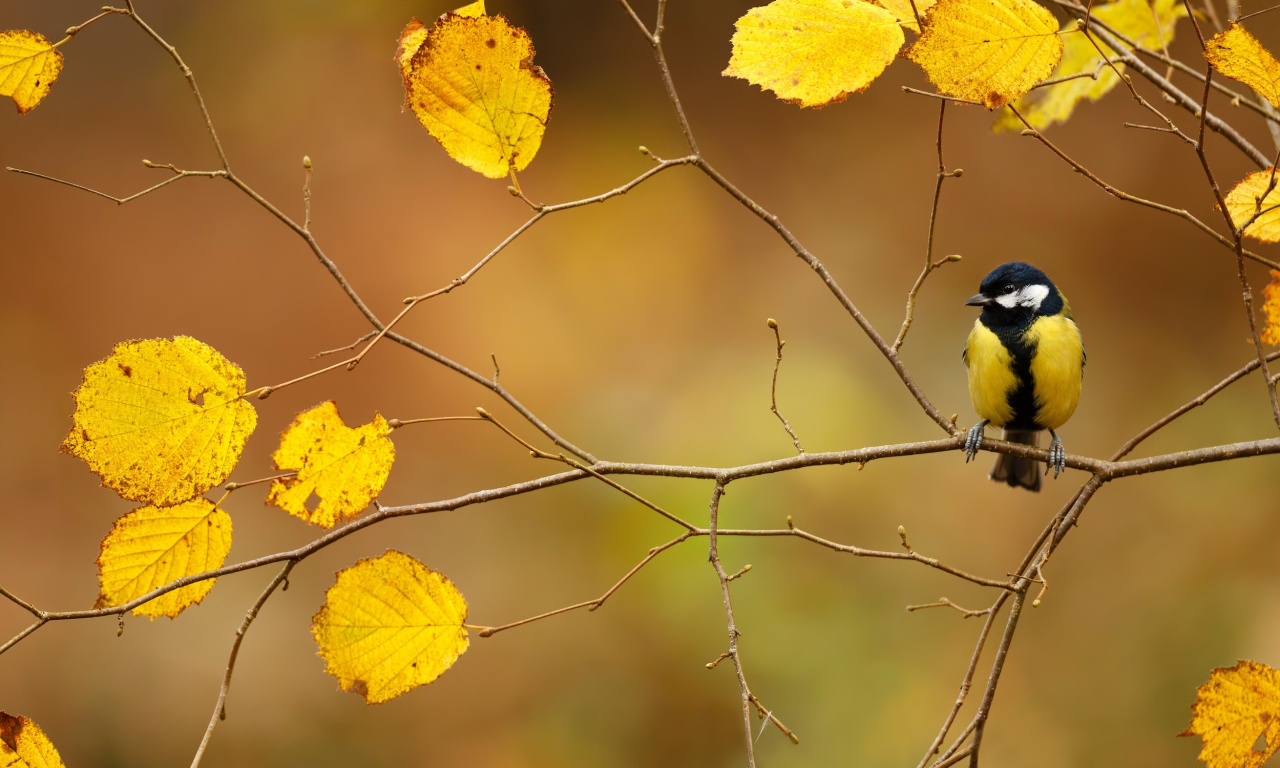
{"x": 1271, "y": 307}
{"x": 1232, "y": 710}
{"x": 1134, "y": 18}
{"x": 152, "y": 546}
{"x": 344, "y": 467}
{"x": 24, "y": 745}
{"x": 161, "y": 421}
{"x": 1242, "y": 203}
{"x": 28, "y": 66}
{"x": 388, "y": 625}
{"x": 991, "y": 51}
{"x": 473, "y": 85}
{"x": 1238, "y": 55}
{"x": 814, "y": 52}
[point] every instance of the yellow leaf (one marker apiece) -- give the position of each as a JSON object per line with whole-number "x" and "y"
{"x": 1271, "y": 294}
{"x": 28, "y": 66}
{"x": 346, "y": 468}
{"x": 474, "y": 87}
{"x": 152, "y": 546}
{"x": 1238, "y": 55}
{"x": 161, "y": 421}
{"x": 24, "y": 745}
{"x": 388, "y": 625}
{"x": 1134, "y": 18}
{"x": 1232, "y": 710}
{"x": 991, "y": 51}
{"x": 814, "y": 52}
{"x": 902, "y": 11}
{"x": 471, "y": 9}
{"x": 1242, "y": 203}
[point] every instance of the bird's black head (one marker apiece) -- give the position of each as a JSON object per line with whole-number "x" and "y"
{"x": 1016, "y": 293}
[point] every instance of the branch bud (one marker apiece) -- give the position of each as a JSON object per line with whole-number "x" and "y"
{"x": 394, "y": 423}
{"x": 1035, "y": 603}
{"x": 1028, "y": 132}
{"x": 146, "y": 163}
{"x": 954, "y": 257}
{"x": 410, "y": 299}
{"x": 644, "y": 150}
{"x": 958, "y": 172}
{"x": 790, "y": 524}
{"x": 773, "y": 323}
{"x": 230, "y": 486}
{"x": 265, "y": 393}
{"x": 513, "y": 191}
{"x": 902, "y": 531}
{"x": 306, "y": 162}
{"x": 351, "y": 366}
{"x": 483, "y": 413}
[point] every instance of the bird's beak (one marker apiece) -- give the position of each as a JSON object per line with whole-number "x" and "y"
{"x": 979, "y": 301}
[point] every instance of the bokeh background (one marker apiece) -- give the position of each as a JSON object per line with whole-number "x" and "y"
{"x": 637, "y": 329}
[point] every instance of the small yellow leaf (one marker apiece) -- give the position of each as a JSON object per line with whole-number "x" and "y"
{"x": 1238, "y": 55}
{"x": 814, "y": 52}
{"x": 28, "y": 66}
{"x": 388, "y": 625}
{"x": 161, "y": 421}
{"x": 1134, "y": 18}
{"x": 1232, "y": 710}
{"x": 903, "y": 12}
{"x": 24, "y": 745}
{"x": 471, "y": 9}
{"x": 1242, "y": 203}
{"x": 991, "y": 51}
{"x": 1271, "y": 296}
{"x": 152, "y": 546}
{"x": 412, "y": 37}
{"x": 344, "y": 467}
{"x": 474, "y": 87}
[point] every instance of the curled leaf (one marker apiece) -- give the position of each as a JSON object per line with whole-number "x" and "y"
{"x": 29, "y": 64}
{"x": 24, "y": 745}
{"x": 1271, "y": 307}
{"x": 344, "y": 468}
{"x": 1232, "y": 710}
{"x": 1238, "y": 55}
{"x": 814, "y": 52}
{"x": 153, "y": 546}
{"x": 161, "y": 421}
{"x": 473, "y": 85}
{"x": 1135, "y": 19}
{"x": 990, "y": 51}
{"x": 388, "y": 625}
{"x": 1255, "y": 196}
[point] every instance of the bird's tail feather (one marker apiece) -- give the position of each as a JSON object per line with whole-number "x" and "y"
{"x": 1017, "y": 471}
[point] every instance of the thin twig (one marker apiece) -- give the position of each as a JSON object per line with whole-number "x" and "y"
{"x": 713, "y": 555}
{"x": 945, "y": 603}
{"x": 219, "y": 709}
{"x": 592, "y": 605}
{"x": 121, "y": 200}
{"x": 773, "y": 394}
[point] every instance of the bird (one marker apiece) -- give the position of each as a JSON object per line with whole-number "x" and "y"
{"x": 1026, "y": 361}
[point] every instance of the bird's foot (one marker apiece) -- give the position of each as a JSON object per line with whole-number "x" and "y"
{"x": 973, "y": 440}
{"x": 1057, "y": 456}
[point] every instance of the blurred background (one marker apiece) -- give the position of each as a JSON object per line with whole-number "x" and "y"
{"x": 637, "y": 330}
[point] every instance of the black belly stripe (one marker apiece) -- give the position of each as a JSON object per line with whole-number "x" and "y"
{"x": 1023, "y": 399}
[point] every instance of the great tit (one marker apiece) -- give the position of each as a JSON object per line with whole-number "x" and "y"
{"x": 1026, "y": 367}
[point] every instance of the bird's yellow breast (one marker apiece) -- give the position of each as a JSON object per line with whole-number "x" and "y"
{"x": 1057, "y": 368}
{"x": 991, "y": 376}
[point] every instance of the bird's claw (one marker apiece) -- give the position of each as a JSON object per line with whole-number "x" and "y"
{"x": 973, "y": 440}
{"x": 1057, "y": 457}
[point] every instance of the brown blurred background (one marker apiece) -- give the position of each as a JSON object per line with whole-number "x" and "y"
{"x": 637, "y": 329}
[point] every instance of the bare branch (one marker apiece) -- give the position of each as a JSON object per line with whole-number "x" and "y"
{"x": 121, "y": 200}
{"x": 777, "y": 363}
{"x": 219, "y": 709}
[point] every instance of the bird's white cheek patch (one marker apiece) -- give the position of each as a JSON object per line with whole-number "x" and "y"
{"x": 1009, "y": 300}
{"x": 1033, "y": 295}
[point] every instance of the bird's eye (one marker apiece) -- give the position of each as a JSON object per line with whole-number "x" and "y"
{"x": 1008, "y": 288}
